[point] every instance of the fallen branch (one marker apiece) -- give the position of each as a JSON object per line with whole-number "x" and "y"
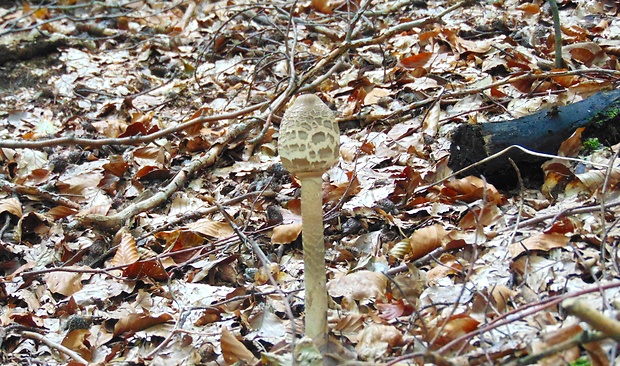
{"x": 593, "y": 317}
{"x": 74, "y": 355}
{"x": 34, "y": 191}
{"x": 132, "y": 140}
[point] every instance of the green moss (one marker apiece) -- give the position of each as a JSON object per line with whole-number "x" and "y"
{"x": 581, "y": 362}
{"x": 591, "y": 144}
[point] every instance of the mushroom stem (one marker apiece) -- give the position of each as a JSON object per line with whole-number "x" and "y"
{"x": 314, "y": 257}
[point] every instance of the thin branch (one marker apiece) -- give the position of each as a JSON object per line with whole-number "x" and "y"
{"x": 74, "y": 355}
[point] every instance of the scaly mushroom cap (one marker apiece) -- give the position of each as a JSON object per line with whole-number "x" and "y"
{"x": 309, "y": 136}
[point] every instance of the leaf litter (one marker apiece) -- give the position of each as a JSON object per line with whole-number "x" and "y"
{"x": 146, "y": 218}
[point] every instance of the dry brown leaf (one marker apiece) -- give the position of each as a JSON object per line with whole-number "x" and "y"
{"x": 66, "y": 283}
{"x": 555, "y": 337}
{"x": 544, "y": 242}
{"x": 284, "y": 234}
{"x": 394, "y": 309}
{"x": 457, "y": 326}
{"x": 210, "y": 228}
{"x": 529, "y": 8}
{"x": 376, "y": 340}
{"x": 572, "y": 145}
{"x": 489, "y": 215}
{"x": 594, "y": 179}
{"x": 358, "y": 285}
{"x": 127, "y": 251}
{"x": 146, "y": 269}
{"x": 12, "y": 206}
{"x": 425, "y": 240}
{"x": 235, "y": 351}
{"x": 492, "y": 302}
{"x": 77, "y": 341}
{"x": 413, "y": 61}
{"x": 350, "y": 324}
{"x": 430, "y": 124}
{"x": 449, "y": 265}
{"x": 470, "y": 189}
{"x": 136, "y": 322}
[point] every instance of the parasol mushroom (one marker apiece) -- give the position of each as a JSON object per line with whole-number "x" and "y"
{"x": 308, "y": 146}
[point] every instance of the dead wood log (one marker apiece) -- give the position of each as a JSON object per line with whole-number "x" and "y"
{"x": 543, "y": 131}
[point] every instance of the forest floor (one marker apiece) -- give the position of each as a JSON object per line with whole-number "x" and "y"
{"x": 145, "y": 217}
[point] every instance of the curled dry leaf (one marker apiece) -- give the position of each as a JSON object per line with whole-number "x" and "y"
{"x": 376, "y": 340}
{"x": 210, "y": 228}
{"x": 418, "y": 60}
{"x": 234, "y": 351}
{"x": 77, "y": 340}
{"x": 448, "y": 265}
{"x": 594, "y": 179}
{"x": 127, "y": 251}
{"x": 572, "y": 145}
{"x": 136, "y": 322}
{"x": 455, "y": 327}
{"x": 287, "y": 233}
{"x": 544, "y": 242}
{"x": 470, "y": 189}
{"x": 425, "y": 240}
{"x": 556, "y": 337}
{"x": 12, "y": 206}
{"x": 488, "y": 215}
{"x": 491, "y": 302}
{"x": 66, "y": 283}
{"x": 358, "y": 285}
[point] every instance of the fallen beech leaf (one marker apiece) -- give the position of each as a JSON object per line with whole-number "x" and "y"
{"x": 394, "y": 309}
{"x": 12, "y": 206}
{"x": 284, "y": 234}
{"x": 234, "y": 351}
{"x": 425, "y": 240}
{"x": 430, "y": 124}
{"x": 137, "y": 322}
{"x": 358, "y": 285}
{"x": 414, "y": 61}
{"x": 529, "y": 8}
{"x": 544, "y": 242}
{"x": 486, "y": 216}
{"x": 376, "y": 340}
{"x": 322, "y": 6}
{"x": 470, "y": 189}
{"x": 127, "y": 251}
{"x": 448, "y": 265}
{"x": 146, "y": 269}
{"x": 210, "y": 228}
{"x": 572, "y": 145}
{"x": 459, "y": 325}
{"x": 77, "y": 341}
{"x": 66, "y": 283}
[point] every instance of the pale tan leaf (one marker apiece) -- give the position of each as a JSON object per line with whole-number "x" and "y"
{"x": 136, "y": 322}
{"x": 12, "y": 206}
{"x": 210, "y": 228}
{"x": 77, "y": 341}
{"x": 430, "y": 124}
{"x": 376, "y": 340}
{"x": 127, "y": 251}
{"x": 284, "y": 234}
{"x": 425, "y": 240}
{"x": 235, "y": 351}
{"x": 65, "y": 283}
{"x": 486, "y": 216}
{"x": 544, "y": 242}
{"x": 572, "y": 145}
{"x": 358, "y": 285}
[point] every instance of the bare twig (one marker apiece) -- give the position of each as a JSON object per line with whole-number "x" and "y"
{"x": 74, "y": 355}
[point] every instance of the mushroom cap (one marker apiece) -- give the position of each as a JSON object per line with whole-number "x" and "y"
{"x": 309, "y": 136}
